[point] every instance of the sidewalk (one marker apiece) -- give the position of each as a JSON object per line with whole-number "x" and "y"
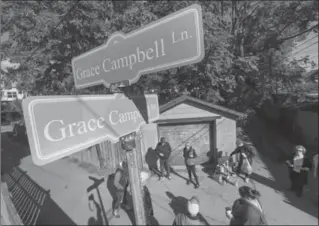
{"x": 68, "y": 184}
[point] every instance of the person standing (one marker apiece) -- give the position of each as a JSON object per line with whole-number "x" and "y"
{"x": 192, "y": 217}
{"x": 244, "y": 152}
{"x": 247, "y": 209}
{"x": 121, "y": 183}
{"x": 299, "y": 167}
{"x": 189, "y": 154}
{"x": 163, "y": 149}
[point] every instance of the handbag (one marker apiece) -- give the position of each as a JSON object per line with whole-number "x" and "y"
{"x": 246, "y": 167}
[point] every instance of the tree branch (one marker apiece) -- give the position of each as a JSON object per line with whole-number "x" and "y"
{"x": 300, "y": 33}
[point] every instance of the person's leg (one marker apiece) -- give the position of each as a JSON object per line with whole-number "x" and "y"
{"x": 293, "y": 180}
{"x": 167, "y": 169}
{"x": 240, "y": 163}
{"x": 247, "y": 177}
{"x": 193, "y": 170}
{"x": 299, "y": 184}
{"x": 117, "y": 203}
{"x": 124, "y": 200}
{"x": 162, "y": 169}
{"x": 189, "y": 174}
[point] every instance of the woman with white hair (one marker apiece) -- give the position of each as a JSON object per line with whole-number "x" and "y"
{"x": 299, "y": 166}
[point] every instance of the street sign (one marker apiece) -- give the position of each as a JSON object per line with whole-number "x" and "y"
{"x": 172, "y": 41}
{"x": 58, "y": 126}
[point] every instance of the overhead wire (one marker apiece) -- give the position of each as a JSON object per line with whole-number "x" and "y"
{"x": 306, "y": 41}
{"x": 305, "y": 48}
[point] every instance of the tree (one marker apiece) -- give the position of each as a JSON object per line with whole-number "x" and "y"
{"x": 246, "y": 45}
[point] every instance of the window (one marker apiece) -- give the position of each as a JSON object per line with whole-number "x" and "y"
{"x": 14, "y": 94}
{"x": 9, "y": 94}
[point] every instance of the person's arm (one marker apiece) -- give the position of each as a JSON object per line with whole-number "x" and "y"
{"x": 236, "y": 151}
{"x": 306, "y": 165}
{"x": 184, "y": 153}
{"x": 195, "y": 154}
{"x": 158, "y": 150}
{"x": 290, "y": 161}
{"x": 169, "y": 149}
{"x": 117, "y": 178}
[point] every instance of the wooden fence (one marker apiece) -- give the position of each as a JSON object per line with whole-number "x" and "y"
{"x": 108, "y": 156}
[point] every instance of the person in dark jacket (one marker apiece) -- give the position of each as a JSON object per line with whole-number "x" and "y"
{"x": 189, "y": 154}
{"x": 299, "y": 166}
{"x": 163, "y": 149}
{"x": 121, "y": 183}
{"x": 244, "y": 152}
{"x": 247, "y": 209}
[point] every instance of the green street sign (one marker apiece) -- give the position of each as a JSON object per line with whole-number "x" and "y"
{"x": 172, "y": 41}
{"x": 58, "y": 126}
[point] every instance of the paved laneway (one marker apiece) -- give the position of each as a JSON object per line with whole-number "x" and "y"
{"x": 64, "y": 193}
{"x": 67, "y": 185}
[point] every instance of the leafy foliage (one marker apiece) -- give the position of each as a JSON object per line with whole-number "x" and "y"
{"x": 246, "y": 45}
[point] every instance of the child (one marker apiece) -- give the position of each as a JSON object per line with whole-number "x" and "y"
{"x": 226, "y": 172}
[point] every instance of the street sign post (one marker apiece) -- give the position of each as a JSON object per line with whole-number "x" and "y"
{"x": 172, "y": 41}
{"x": 58, "y": 126}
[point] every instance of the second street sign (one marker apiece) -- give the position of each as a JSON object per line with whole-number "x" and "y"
{"x": 172, "y": 41}
{"x": 58, "y": 126}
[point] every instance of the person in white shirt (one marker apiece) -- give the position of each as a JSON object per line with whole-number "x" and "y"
{"x": 299, "y": 166}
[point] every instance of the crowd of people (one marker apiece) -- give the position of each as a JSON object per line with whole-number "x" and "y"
{"x": 246, "y": 210}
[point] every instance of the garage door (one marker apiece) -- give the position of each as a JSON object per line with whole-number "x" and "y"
{"x": 177, "y": 135}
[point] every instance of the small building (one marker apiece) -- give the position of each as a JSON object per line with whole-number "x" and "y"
{"x": 210, "y": 128}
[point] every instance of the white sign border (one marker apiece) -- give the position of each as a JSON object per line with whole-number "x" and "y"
{"x": 43, "y": 159}
{"x": 195, "y": 8}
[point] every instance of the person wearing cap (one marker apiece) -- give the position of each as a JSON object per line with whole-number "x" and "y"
{"x": 121, "y": 183}
{"x": 299, "y": 167}
{"x": 192, "y": 217}
{"x": 163, "y": 149}
{"x": 189, "y": 154}
{"x": 244, "y": 152}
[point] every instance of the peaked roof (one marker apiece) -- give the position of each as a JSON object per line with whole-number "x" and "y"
{"x": 199, "y": 103}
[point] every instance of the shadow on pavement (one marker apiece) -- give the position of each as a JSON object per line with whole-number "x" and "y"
{"x": 179, "y": 205}
{"x": 98, "y": 220}
{"x": 177, "y": 174}
{"x": 98, "y": 206}
{"x": 272, "y": 157}
{"x": 151, "y": 159}
{"x": 33, "y": 203}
